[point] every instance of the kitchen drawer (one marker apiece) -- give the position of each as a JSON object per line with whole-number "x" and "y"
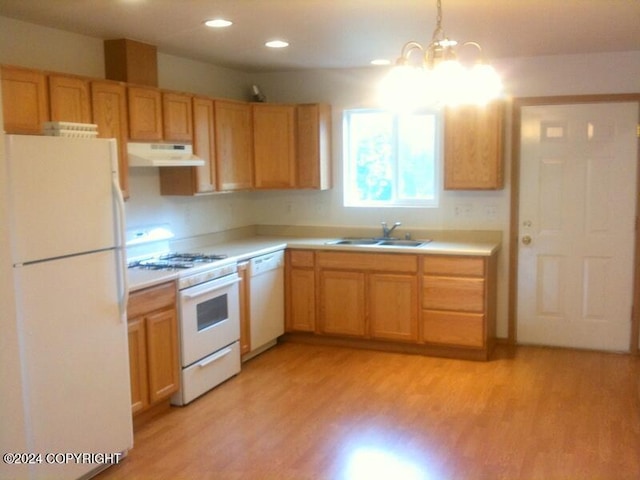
{"x": 301, "y": 258}
{"x": 154, "y": 298}
{"x": 453, "y": 266}
{"x": 379, "y": 262}
{"x": 452, "y": 328}
{"x": 453, "y": 293}
{"x": 208, "y": 373}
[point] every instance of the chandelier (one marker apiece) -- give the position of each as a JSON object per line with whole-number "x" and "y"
{"x": 433, "y": 76}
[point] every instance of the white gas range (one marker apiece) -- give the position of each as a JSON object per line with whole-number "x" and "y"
{"x": 208, "y": 313}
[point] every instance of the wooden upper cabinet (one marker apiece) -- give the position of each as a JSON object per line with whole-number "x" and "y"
{"x": 177, "y": 117}
{"x": 109, "y": 107}
{"x": 195, "y": 180}
{"x": 473, "y": 147}
{"x": 313, "y": 146}
{"x": 25, "y": 100}
{"x": 69, "y": 99}
{"x": 145, "y": 114}
{"x": 204, "y": 144}
{"x": 274, "y": 145}
{"x": 234, "y": 145}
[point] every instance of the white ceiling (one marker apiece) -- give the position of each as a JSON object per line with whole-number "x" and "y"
{"x": 341, "y": 33}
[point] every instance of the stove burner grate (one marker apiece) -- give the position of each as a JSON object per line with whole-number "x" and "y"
{"x": 192, "y": 257}
{"x": 175, "y": 261}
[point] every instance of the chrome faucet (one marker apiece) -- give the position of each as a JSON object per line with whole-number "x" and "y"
{"x": 386, "y": 231}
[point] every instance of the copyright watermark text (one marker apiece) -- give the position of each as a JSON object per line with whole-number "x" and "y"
{"x": 61, "y": 458}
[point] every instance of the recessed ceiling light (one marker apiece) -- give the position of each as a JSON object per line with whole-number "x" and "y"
{"x": 277, "y": 44}
{"x": 380, "y": 61}
{"x": 218, "y": 23}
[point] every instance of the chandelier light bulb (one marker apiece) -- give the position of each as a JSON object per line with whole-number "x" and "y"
{"x": 438, "y": 78}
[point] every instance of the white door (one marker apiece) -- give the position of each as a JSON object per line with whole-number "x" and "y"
{"x": 577, "y": 221}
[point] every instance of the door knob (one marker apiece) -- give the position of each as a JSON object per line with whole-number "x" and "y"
{"x": 526, "y": 240}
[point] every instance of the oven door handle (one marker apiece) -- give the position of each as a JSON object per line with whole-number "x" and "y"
{"x": 209, "y": 290}
{"x": 213, "y": 358}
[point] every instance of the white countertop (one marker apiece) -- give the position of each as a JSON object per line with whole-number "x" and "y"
{"x": 246, "y": 248}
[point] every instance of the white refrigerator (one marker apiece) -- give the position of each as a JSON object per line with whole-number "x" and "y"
{"x": 66, "y": 218}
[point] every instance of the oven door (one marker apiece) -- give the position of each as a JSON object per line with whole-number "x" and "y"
{"x": 209, "y": 318}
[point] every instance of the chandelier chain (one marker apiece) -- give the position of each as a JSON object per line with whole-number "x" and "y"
{"x": 439, "y": 78}
{"x": 438, "y": 33}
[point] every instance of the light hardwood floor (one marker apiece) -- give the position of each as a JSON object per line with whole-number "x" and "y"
{"x": 312, "y": 412}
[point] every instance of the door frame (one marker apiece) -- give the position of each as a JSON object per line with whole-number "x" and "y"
{"x": 514, "y": 221}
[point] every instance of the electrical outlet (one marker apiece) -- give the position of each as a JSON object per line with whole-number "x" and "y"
{"x": 463, "y": 211}
{"x": 491, "y": 212}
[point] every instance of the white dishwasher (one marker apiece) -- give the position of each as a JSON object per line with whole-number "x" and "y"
{"x": 266, "y": 292}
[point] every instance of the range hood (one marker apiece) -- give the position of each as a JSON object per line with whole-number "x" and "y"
{"x": 162, "y": 155}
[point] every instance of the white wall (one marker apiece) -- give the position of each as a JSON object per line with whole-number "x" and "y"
{"x": 39, "y": 47}
{"x": 45, "y": 48}
{"x": 33, "y": 46}
{"x": 344, "y": 89}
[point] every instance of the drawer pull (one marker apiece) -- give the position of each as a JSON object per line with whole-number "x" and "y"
{"x": 213, "y": 358}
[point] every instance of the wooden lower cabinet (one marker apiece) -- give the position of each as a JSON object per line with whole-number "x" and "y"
{"x": 453, "y": 293}
{"x": 458, "y": 301}
{"x": 393, "y": 301}
{"x": 153, "y": 346}
{"x": 138, "y": 365}
{"x": 302, "y": 306}
{"x": 451, "y": 328}
{"x": 245, "y": 310}
{"x": 353, "y": 295}
{"x": 430, "y": 304}
{"x": 342, "y": 303}
{"x": 300, "y": 291}
{"x": 371, "y": 296}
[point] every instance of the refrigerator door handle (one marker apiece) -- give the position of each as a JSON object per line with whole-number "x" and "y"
{"x": 121, "y": 247}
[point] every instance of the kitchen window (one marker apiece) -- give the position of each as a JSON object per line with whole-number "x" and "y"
{"x": 390, "y": 159}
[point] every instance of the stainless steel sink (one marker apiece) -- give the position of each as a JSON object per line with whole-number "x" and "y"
{"x": 355, "y": 241}
{"x": 379, "y": 242}
{"x": 402, "y": 243}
